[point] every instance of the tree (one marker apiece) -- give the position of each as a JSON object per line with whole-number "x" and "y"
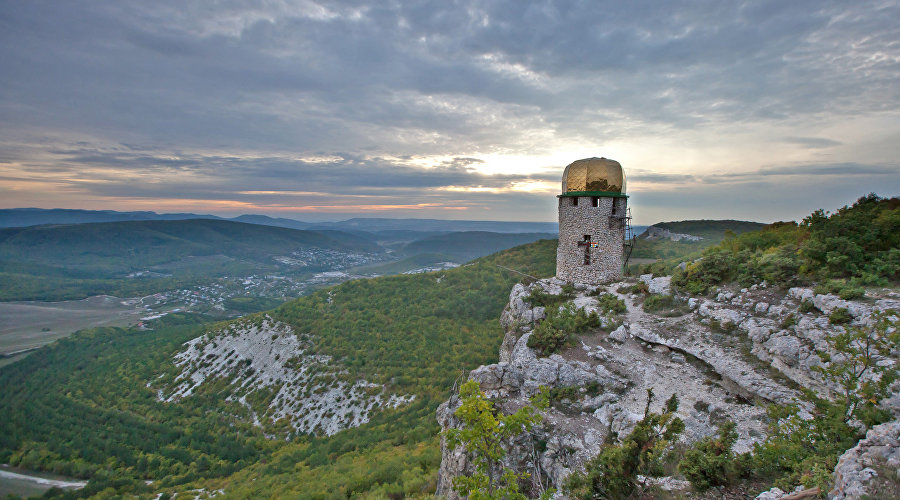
{"x": 711, "y": 462}
{"x": 804, "y": 448}
{"x": 856, "y": 368}
{"x": 484, "y": 432}
{"x": 614, "y": 472}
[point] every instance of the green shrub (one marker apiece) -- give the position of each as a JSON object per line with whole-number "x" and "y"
{"x": 840, "y": 316}
{"x": 558, "y": 328}
{"x": 483, "y": 433}
{"x": 842, "y": 288}
{"x": 789, "y": 321}
{"x": 614, "y": 472}
{"x": 664, "y": 305}
{"x": 711, "y": 462}
{"x": 807, "y": 306}
{"x": 539, "y": 298}
{"x": 639, "y": 287}
{"x": 717, "y": 326}
{"x": 856, "y": 241}
{"x": 610, "y": 304}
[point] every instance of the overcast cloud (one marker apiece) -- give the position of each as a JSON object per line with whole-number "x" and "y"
{"x": 753, "y": 110}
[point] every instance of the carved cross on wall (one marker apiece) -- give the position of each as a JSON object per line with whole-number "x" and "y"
{"x": 587, "y": 244}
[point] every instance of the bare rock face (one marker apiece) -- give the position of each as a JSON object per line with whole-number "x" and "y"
{"x": 605, "y": 380}
{"x": 871, "y": 469}
{"x": 718, "y": 359}
{"x": 788, "y": 339}
{"x": 660, "y": 233}
{"x": 312, "y": 392}
{"x": 661, "y": 285}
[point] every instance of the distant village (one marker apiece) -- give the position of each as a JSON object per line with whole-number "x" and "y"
{"x": 212, "y": 298}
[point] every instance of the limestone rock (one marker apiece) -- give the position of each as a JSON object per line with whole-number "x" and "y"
{"x": 660, "y": 233}
{"x": 773, "y": 494}
{"x": 611, "y": 372}
{"x": 857, "y": 471}
{"x": 661, "y": 285}
{"x": 619, "y": 334}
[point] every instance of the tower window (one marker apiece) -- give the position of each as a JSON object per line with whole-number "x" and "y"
{"x": 615, "y": 205}
{"x": 574, "y": 201}
{"x": 595, "y": 201}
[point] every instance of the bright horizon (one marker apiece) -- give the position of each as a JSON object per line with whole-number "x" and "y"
{"x": 332, "y": 110}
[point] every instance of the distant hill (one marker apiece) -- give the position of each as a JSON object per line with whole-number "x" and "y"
{"x": 380, "y": 224}
{"x": 265, "y": 220}
{"x": 711, "y": 232}
{"x": 72, "y": 261}
{"x": 467, "y": 245}
{"x": 125, "y": 246}
{"x": 22, "y": 217}
{"x": 710, "y": 229}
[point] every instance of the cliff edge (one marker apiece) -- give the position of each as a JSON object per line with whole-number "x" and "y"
{"x": 725, "y": 359}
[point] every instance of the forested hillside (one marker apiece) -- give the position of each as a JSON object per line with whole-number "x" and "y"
{"x": 117, "y": 247}
{"x": 82, "y": 406}
{"x": 857, "y": 245}
{"x": 711, "y": 232}
{"x": 468, "y": 245}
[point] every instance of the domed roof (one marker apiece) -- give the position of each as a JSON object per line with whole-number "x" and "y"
{"x": 593, "y": 176}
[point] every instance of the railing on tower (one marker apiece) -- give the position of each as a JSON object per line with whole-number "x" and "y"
{"x": 629, "y": 237}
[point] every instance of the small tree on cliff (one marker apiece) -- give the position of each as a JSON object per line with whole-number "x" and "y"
{"x": 805, "y": 450}
{"x": 857, "y": 369}
{"x": 614, "y": 473}
{"x": 483, "y": 434}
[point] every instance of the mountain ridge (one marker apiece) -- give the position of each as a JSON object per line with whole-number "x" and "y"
{"x": 22, "y": 217}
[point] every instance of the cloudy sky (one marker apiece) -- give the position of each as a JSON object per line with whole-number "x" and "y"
{"x": 760, "y": 110}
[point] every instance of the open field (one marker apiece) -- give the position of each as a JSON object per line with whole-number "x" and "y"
{"x": 15, "y": 481}
{"x": 26, "y": 325}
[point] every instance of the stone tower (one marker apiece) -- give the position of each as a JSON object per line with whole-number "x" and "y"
{"x": 592, "y": 214}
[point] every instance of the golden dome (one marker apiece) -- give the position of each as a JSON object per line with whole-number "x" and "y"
{"x": 593, "y": 176}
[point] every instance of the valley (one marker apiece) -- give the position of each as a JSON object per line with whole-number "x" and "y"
{"x": 332, "y": 391}
{"x": 151, "y": 273}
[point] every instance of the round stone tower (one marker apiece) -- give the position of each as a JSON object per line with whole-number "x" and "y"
{"x": 592, "y": 215}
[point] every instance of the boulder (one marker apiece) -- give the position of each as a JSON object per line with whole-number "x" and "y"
{"x": 661, "y": 285}
{"x": 619, "y": 334}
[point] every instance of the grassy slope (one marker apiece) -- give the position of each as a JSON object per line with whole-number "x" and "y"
{"x": 415, "y": 333}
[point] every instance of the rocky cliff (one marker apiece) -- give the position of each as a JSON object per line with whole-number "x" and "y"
{"x": 721, "y": 356}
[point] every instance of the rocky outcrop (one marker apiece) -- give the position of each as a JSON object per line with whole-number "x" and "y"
{"x": 791, "y": 341}
{"x": 659, "y": 233}
{"x": 718, "y": 359}
{"x": 871, "y": 469}
{"x": 661, "y": 285}
{"x": 258, "y": 356}
{"x": 605, "y": 378}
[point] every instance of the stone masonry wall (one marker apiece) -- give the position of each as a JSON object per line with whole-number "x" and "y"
{"x": 609, "y": 232}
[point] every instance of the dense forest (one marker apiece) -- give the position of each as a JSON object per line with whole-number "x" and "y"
{"x": 82, "y": 407}
{"x": 842, "y": 251}
{"x": 712, "y": 232}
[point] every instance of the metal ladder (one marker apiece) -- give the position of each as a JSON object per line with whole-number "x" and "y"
{"x": 628, "y": 245}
